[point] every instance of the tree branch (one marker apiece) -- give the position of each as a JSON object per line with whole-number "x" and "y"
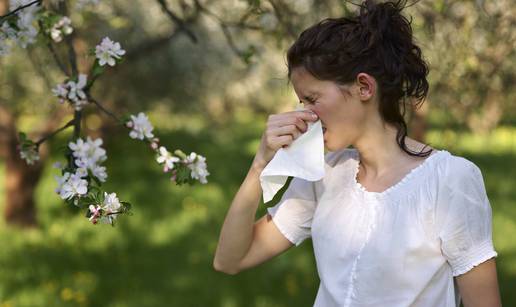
{"x": 225, "y": 30}
{"x": 46, "y": 137}
{"x": 103, "y": 109}
{"x": 38, "y": 2}
{"x": 178, "y": 21}
{"x": 153, "y": 44}
{"x": 279, "y": 14}
{"x": 56, "y": 59}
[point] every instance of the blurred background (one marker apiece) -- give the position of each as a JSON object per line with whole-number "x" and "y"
{"x": 208, "y": 73}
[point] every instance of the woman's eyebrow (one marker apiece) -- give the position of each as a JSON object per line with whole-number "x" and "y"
{"x": 310, "y": 95}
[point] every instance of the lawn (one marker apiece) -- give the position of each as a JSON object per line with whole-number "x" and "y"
{"x": 162, "y": 255}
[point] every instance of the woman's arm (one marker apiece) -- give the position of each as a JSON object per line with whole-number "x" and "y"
{"x": 479, "y": 286}
{"x": 244, "y": 243}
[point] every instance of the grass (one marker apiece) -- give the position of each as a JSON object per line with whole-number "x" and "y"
{"x": 162, "y": 255}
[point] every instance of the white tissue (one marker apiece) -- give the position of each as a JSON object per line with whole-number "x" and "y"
{"x": 304, "y": 158}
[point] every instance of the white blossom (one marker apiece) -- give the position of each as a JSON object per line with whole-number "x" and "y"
{"x": 166, "y": 157}
{"x": 61, "y": 181}
{"x": 108, "y": 51}
{"x": 141, "y": 127}
{"x": 74, "y": 186}
{"x": 95, "y": 151}
{"x": 6, "y": 35}
{"x": 111, "y": 203}
{"x": 7, "y": 32}
{"x": 73, "y": 91}
{"x": 81, "y": 172}
{"x": 79, "y": 148}
{"x": 197, "y": 164}
{"x": 88, "y": 154}
{"x": 76, "y": 92}
{"x": 95, "y": 213}
{"x": 26, "y": 33}
{"x": 63, "y": 26}
{"x": 100, "y": 172}
{"x": 30, "y": 155}
{"x": 60, "y": 91}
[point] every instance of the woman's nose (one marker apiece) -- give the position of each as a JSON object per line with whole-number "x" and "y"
{"x": 312, "y": 109}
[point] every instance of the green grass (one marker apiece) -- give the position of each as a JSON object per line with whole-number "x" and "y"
{"x": 162, "y": 255}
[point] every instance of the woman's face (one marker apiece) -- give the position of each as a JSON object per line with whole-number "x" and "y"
{"x": 340, "y": 110}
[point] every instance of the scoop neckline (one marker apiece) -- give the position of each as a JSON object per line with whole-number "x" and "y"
{"x": 398, "y": 184}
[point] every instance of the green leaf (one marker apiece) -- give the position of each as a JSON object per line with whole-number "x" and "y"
{"x": 22, "y": 136}
{"x": 96, "y": 71}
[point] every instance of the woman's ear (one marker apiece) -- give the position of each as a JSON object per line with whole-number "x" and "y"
{"x": 366, "y": 85}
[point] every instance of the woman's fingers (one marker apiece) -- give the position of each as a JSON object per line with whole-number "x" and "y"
{"x": 298, "y": 118}
{"x": 282, "y": 129}
{"x": 292, "y": 130}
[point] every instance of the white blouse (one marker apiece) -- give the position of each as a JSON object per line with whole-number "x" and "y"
{"x": 399, "y": 247}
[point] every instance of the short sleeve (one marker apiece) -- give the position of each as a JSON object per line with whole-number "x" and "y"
{"x": 293, "y": 213}
{"x": 464, "y": 216}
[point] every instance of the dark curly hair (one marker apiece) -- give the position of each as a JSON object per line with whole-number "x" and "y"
{"x": 378, "y": 41}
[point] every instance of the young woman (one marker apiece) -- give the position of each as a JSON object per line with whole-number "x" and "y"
{"x": 392, "y": 224}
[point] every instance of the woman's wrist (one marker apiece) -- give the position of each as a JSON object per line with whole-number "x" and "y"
{"x": 258, "y": 165}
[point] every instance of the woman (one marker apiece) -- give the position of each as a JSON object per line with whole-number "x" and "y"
{"x": 392, "y": 224}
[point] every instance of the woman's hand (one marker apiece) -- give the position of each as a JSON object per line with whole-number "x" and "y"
{"x": 282, "y": 129}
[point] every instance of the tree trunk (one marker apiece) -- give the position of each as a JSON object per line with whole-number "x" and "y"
{"x": 418, "y": 123}
{"x": 21, "y": 179}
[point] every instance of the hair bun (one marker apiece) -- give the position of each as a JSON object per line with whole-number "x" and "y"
{"x": 379, "y": 19}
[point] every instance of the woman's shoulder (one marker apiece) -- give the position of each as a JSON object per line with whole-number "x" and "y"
{"x": 458, "y": 171}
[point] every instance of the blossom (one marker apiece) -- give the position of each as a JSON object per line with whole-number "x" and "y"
{"x": 108, "y": 51}
{"x": 111, "y": 206}
{"x": 74, "y": 186}
{"x": 141, "y": 127}
{"x": 73, "y": 91}
{"x": 61, "y": 181}
{"x": 95, "y": 213}
{"x": 26, "y": 36}
{"x": 95, "y": 151}
{"x": 30, "y": 155}
{"x": 60, "y": 91}
{"x": 79, "y": 148}
{"x": 111, "y": 203}
{"x": 6, "y": 32}
{"x": 26, "y": 33}
{"x": 197, "y": 164}
{"x": 76, "y": 92}
{"x": 88, "y": 155}
{"x": 166, "y": 157}
{"x": 99, "y": 172}
{"x": 63, "y": 26}
{"x": 81, "y": 172}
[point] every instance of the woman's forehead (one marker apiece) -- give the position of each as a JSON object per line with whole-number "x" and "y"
{"x": 305, "y": 83}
